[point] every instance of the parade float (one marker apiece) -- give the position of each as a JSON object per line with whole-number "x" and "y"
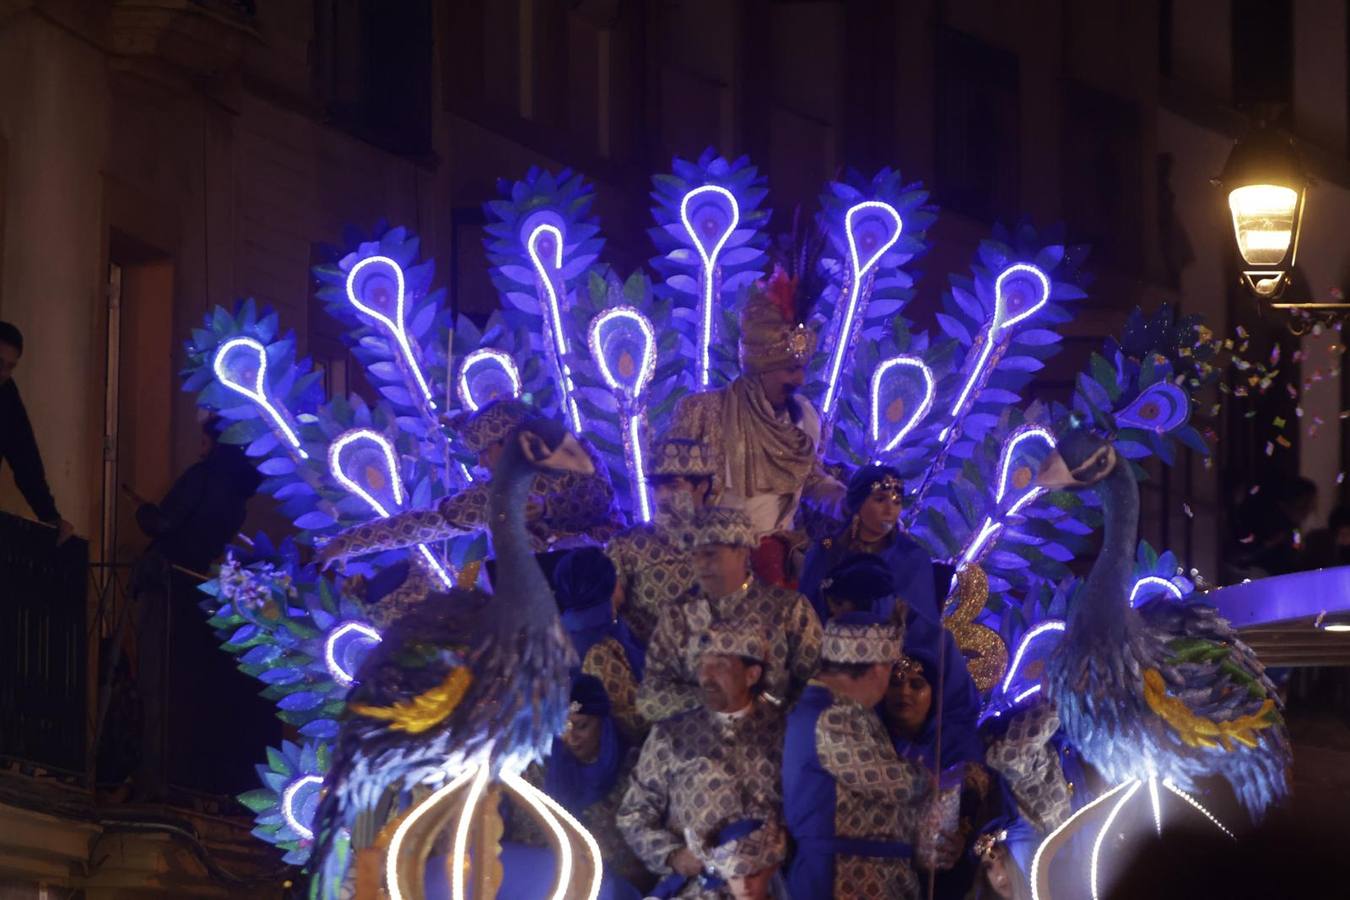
{"x": 1152, "y": 686}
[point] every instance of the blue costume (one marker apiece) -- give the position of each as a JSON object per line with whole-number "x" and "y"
{"x": 851, "y": 805}
{"x": 911, "y": 568}
{"x": 583, "y": 584}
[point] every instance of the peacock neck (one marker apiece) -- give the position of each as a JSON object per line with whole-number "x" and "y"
{"x": 519, "y": 580}
{"x": 1102, "y": 610}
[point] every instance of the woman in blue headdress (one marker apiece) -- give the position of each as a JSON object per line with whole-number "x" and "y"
{"x": 584, "y": 587}
{"x": 874, "y": 502}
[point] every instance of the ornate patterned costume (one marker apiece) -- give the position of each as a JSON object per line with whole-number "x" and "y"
{"x": 670, "y": 684}
{"x": 1044, "y": 773}
{"x": 704, "y": 417}
{"x": 850, "y": 804}
{"x": 699, "y": 767}
{"x": 654, "y": 569}
{"x": 607, "y": 661}
{"x": 763, "y": 459}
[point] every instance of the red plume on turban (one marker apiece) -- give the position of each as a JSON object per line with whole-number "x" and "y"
{"x": 781, "y": 289}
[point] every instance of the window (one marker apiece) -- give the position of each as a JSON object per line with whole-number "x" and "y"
{"x": 978, "y": 136}
{"x": 1102, "y": 162}
{"x": 1263, "y": 57}
{"x": 373, "y": 63}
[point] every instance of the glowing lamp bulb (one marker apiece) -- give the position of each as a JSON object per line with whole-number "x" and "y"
{"x": 1263, "y": 220}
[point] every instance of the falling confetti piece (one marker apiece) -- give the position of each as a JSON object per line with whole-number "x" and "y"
{"x": 1241, "y": 332}
{"x": 1283, "y": 442}
{"x": 1298, "y": 411}
{"x": 1298, "y": 538}
{"x": 1256, "y": 489}
{"x": 1186, "y": 508}
{"x": 1278, "y": 422}
{"x": 1340, "y": 477}
{"x": 1248, "y": 539}
{"x": 1270, "y": 449}
{"x": 1214, "y": 410}
{"x": 1249, "y": 414}
{"x": 1275, "y": 354}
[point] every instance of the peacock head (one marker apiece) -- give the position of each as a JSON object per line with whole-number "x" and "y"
{"x": 1081, "y": 459}
{"x": 547, "y": 445}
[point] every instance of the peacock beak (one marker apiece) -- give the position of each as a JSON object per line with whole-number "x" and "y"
{"x": 568, "y": 456}
{"x": 1055, "y": 474}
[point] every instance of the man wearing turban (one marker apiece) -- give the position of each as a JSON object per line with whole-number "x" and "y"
{"x": 763, "y": 437}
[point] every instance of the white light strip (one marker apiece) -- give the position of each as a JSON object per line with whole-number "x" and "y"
{"x": 859, "y": 271}
{"x": 1060, "y": 829}
{"x": 335, "y": 449}
{"x": 401, "y": 832}
{"x": 997, "y": 324}
{"x": 555, "y": 314}
{"x": 341, "y": 675}
{"x": 288, "y": 805}
{"x": 648, "y": 363}
{"x": 257, "y": 393}
{"x": 709, "y": 269}
{"x": 1157, "y": 806}
{"x": 459, "y": 861}
{"x": 1009, "y": 448}
{"x": 1167, "y": 783}
{"x": 1047, "y": 625}
{"x": 987, "y": 531}
{"x": 1154, "y": 581}
{"x": 1101, "y": 836}
{"x": 634, "y": 436}
{"x": 539, "y": 799}
{"x": 1035, "y": 688}
{"x": 395, "y": 325}
{"x": 924, "y": 406}
{"x": 482, "y": 355}
{"x": 345, "y": 440}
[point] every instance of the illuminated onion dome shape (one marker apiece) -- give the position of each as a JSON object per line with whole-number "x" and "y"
{"x": 711, "y": 243}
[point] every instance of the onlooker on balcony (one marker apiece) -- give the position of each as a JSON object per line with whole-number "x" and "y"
{"x": 17, "y": 444}
{"x": 189, "y": 529}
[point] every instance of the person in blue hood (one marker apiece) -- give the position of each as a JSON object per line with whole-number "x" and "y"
{"x": 583, "y": 585}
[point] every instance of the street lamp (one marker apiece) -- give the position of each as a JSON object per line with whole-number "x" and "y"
{"x": 1267, "y": 189}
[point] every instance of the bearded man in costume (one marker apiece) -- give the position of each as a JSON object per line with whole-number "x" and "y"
{"x": 763, "y": 438}
{"x": 726, "y": 592}
{"x": 716, "y": 763}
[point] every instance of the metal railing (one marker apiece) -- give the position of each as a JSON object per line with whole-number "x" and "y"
{"x": 43, "y": 645}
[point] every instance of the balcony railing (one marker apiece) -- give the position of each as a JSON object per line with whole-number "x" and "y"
{"x": 43, "y": 656}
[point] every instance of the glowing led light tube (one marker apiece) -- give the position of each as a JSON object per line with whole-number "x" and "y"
{"x": 708, "y": 269}
{"x": 257, "y": 392}
{"x": 555, "y": 314}
{"x": 395, "y": 326}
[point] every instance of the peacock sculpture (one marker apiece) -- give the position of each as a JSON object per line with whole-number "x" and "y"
{"x": 1164, "y": 694}
{"x": 466, "y": 689}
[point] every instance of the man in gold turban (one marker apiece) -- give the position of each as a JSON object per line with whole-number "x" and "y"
{"x": 763, "y": 437}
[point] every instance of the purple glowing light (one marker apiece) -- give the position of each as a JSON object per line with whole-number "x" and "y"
{"x": 555, "y": 312}
{"x": 618, "y": 332}
{"x": 911, "y": 362}
{"x": 1040, "y": 629}
{"x": 288, "y": 804}
{"x": 1154, "y": 581}
{"x": 257, "y": 391}
{"x": 356, "y": 438}
{"x": 364, "y": 634}
{"x": 486, "y": 358}
{"x": 859, "y": 271}
{"x": 1009, "y": 310}
{"x": 384, "y": 266}
{"x": 708, "y": 256}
